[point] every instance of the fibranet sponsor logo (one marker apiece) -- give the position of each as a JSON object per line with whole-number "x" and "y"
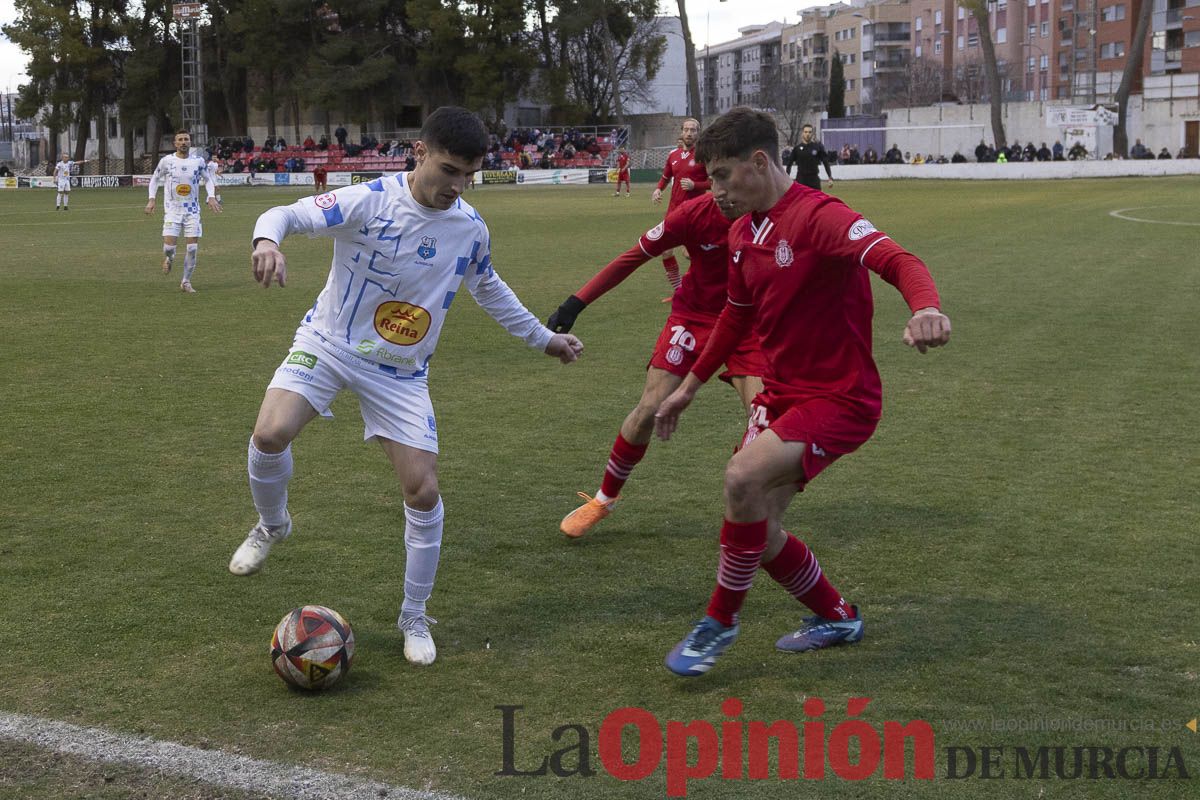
{"x": 401, "y": 323}
{"x": 384, "y": 354}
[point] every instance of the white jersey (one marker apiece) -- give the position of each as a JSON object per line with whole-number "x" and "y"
{"x": 181, "y": 178}
{"x": 397, "y": 266}
{"x": 62, "y": 171}
{"x": 211, "y": 169}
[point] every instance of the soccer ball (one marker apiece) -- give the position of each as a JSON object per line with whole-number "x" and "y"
{"x": 312, "y": 647}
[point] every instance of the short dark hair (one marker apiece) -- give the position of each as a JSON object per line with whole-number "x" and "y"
{"x": 183, "y": 130}
{"x": 736, "y": 134}
{"x": 456, "y": 131}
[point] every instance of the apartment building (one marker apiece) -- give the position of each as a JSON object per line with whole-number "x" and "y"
{"x": 733, "y": 73}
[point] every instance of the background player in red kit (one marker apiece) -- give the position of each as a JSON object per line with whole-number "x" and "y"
{"x": 688, "y": 179}
{"x": 798, "y": 276}
{"x": 701, "y": 226}
{"x": 622, "y": 171}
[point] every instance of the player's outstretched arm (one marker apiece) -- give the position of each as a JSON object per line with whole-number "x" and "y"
{"x": 563, "y": 319}
{"x": 268, "y": 263}
{"x": 666, "y": 418}
{"x": 928, "y": 327}
{"x": 565, "y": 347}
{"x": 214, "y": 205}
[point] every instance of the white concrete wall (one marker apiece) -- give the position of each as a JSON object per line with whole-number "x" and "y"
{"x": 1021, "y": 170}
{"x": 1158, "y": 123}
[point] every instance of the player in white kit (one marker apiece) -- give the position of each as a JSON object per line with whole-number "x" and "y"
{"x": 180, "y": 174}
{"x": 404, "y": 246}
{"x": 62, "y": 182}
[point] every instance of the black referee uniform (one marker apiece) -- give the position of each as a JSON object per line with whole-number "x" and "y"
{"x": 809, "y": 157}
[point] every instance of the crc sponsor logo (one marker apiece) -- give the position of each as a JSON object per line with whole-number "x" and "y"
{"x": 306, "y": 360}
{"x": 183, "y": 190}
{"x": 325, "y": 201}
{"x": 401, "y": 323}
{"x": 861, "y": 229}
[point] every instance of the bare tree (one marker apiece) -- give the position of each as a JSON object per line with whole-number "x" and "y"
{"x": 920, "y": 84}
{"x": 1133, "y": 66}
{"x": 978, "y": 9}
{"x": 689, "y": 53}
{"x": 791, "y": 96}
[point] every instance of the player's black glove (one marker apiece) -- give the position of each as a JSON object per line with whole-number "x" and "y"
{"x": 562, "y": 320}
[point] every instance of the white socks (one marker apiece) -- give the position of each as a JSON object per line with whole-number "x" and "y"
{"x": 422, "y": 547}
{"x": 269, "y": 476}
{"x": 189, "y": 262}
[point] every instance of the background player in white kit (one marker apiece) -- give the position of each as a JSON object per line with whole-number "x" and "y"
{"x": 62, "y": 182}
{"x": 180, "y": 175}
{"x": 213, "y": 167}
{"x": 404, "y": 246}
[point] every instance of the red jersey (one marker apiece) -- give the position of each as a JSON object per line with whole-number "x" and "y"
{"x": 683, "y": 164}
{"x": 696, "y": 225}
{"x": 799, "y": 271}
{"x": 623, "y": 162}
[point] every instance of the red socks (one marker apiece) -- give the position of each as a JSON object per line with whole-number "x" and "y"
{"x": 621, "y": 461}
{"x": 796, "y": 570}
{"x": 742, "y": 546}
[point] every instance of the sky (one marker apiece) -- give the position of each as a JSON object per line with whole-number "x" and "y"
{"x": 712, "y": 22}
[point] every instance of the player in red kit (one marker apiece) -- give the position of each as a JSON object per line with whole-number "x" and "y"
{"x": 622, "y": 172}
{"x": 688, "y": 179}
{"x": 799, "y": 278}
{"x": 701, "y": 226}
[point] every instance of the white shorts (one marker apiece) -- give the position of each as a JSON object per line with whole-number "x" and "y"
{"x": 64, "y": 184}
{"x": 182, "y": 223}
{"x": 392, "y": 407}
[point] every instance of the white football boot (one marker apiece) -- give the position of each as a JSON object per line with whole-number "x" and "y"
{"x": 249, "y": 557}
{"x": 418, "y": 644}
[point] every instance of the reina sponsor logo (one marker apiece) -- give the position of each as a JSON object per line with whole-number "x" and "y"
{"x": 401, "y": 323}
{"x": 183, "y": 190}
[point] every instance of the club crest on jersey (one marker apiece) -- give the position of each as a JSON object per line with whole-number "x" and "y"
{"x": 428, "y": 248}
{"x": 675, "y": 355}
{"x": 325, "y": 201}
{"x": 783, "y": 254}
{"x": 860, "y": 229}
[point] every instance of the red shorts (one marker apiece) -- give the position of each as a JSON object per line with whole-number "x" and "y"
{"x": 683, "y": 339}
{"x": 829, "y": 429}
{"x": 623, "y": 176}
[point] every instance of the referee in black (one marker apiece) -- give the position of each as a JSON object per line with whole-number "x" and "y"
{"x": 809, "y": 156}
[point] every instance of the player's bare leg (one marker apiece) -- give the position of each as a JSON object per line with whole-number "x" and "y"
{"x": 423, "y": 516}
{"x": 628, "y": 450}
{"x": 281, "y": 417}
{"x": 747, "y": 387}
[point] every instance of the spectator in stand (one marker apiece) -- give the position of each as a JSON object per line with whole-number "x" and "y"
{"x": 1164, "y": 153}
{"x": 1014, "y": 151}
{"x": 981, "y": 151}
{"x": 1139, "y": 150}
{"x": 1183, "y": 153}
{"x": 1077, "y": 152}
{"x": 941, "y": 159}
{"x": 1057, "y": 150}
{"x": 918, "y": 159}
{"x": 524, "y": 159}
{"x": 958, "y": 158}
{"x": 5, "y": 172}
{"x": 280, "y": 145}
{"x": 855, "y": 158}
{"x": 410, "y": 161}
{"x": 870, "y": 157}
{"x": 309, "y": 144}
{"x": 544, "y": 161}
{"x": 299, "y": 164}
{"x": 248, "y": 145}
{"x": 1043, "y": 153}
{"x": 290, "y": 164}
{"x": 843, "y": 156}
{"x": 893, "y": 156}
{"x": 323, "y": 143}
{"x": 1001, "y": 156}
{"x": 269, "y": 145}
{"x": 320, "y": 180}
{"x": 568, "y": 151}
{"x": 1030, "y": 152}
{"x": 340, "y": 134}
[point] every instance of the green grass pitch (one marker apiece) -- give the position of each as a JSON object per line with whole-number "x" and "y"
{"x": 1020, "y": 532}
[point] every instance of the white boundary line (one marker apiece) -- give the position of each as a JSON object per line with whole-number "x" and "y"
{"x": 211, "y": 766}
{"x": 1120, "y": 214}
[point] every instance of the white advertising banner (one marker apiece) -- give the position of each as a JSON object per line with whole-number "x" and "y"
{"x": 573, "y": 177}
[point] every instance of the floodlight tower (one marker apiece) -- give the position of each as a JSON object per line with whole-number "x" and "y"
{"x": 192, "y": 94}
